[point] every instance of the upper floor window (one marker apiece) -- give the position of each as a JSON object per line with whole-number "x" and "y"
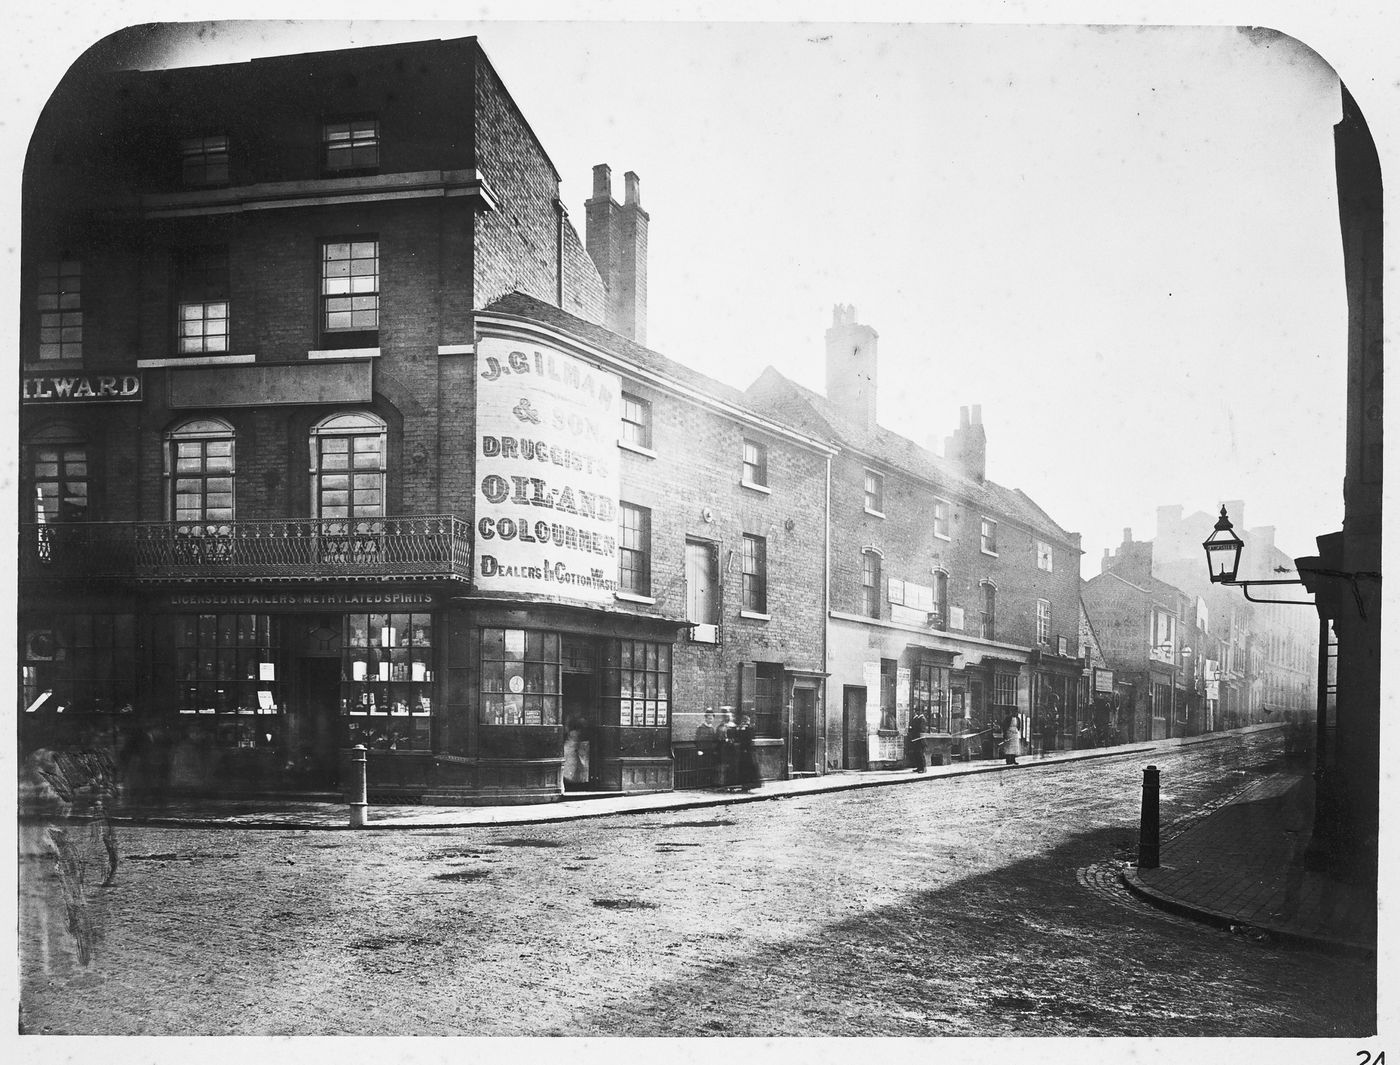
{"x": 701, "y": 583}
{"x": 199, "y": 468}
{"x": 57, "y": 464}
{"x": 634, "y": 549}
{"x": 1042, "y": 622}
{"x": 1163, "y": 635}
{"x": 941, "y": 527}
{"x": 989, "y": 536}
{"x": 61, "y": 310}
{"x": 989, "y": 610}
{"x": 874, "y": 492}
{"x": 202, "y": 291}
{"x": 940, "y": 599}
{"x": 755, "y": 590}
{"x": 204, "y": 160}
{"x": 636, "y": 421}
{"x": 350, "y": 286}
{"x": 351, "y": 144}
{"x": 870, "y": 583}
{"x": 348, "y": 466}
{"x": 755, "y": 463}
{"x": 1044, "y": 556}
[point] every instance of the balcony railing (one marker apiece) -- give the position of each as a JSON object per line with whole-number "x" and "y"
{"x": 429, "y": 546}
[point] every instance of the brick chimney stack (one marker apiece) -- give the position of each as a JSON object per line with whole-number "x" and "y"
{"x": 851, "y": 365}
{"x": 616, "y": 238}
{"x": 967, "y": 447}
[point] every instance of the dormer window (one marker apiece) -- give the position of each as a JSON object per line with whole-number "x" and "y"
{"x": 351, "y": 144}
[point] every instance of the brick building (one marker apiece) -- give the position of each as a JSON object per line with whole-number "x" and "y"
{"x": 333, "y": 431}
{"x": 948, "y": 592}
{"x": 1139, "y": 620}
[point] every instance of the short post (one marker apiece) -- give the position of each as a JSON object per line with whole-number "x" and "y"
{"x": 1149, "y": 830}
{"x": 359, "y": 787}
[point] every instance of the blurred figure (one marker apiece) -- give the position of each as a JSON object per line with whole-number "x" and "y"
{"x": 745, "y": 762}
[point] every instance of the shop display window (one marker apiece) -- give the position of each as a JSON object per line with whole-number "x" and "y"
{"x": 78, "y": 663}
{"x": 386, "y": 691}
{"x": 230, "y": 676}
{"x": 929, "y": 693}
{"x": 637, "y": 683}
{"x": 520, "y": 677}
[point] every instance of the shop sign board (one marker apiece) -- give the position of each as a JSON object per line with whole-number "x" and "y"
{"x": 80, "y": 388}
{"x": 1103, "y": 681}
{"x": 546, "y": 473}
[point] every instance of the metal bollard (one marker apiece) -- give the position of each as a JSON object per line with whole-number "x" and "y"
{"x": 359, "y": 787}
{"x": 1149, "y": 830}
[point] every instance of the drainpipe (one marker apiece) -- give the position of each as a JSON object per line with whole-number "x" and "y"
{"x": 826, "y": 613}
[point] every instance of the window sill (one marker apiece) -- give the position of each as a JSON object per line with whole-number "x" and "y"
{"x": 62, "y": 365}
{"x": 875, "y": 513}
{"x": 753, "y": 615}
{"x": 195, "y": 360}
{"x": 637, "y": 449}
{"x": 990, "y": 554}
{"x": 754, "y": 487}
{"x": 632, "y": 597}
{"x": 343, "y": 353}
{"x": 943, "y": 536}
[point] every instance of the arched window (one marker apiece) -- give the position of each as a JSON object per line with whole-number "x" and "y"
{"x": 199, "y": 468}
{"x": 347, "y": 466}
{"x": 56, "y": 464}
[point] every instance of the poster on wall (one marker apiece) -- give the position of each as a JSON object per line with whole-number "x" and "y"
{"x": 546, "y": 473}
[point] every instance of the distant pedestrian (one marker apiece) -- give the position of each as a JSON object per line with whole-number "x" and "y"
{"x": 745, "y": 763}
{"x": 914, "y": 742}
{"x": 1011, "y": 737}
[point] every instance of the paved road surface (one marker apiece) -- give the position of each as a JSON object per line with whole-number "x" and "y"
{"x": 984, "y": 905}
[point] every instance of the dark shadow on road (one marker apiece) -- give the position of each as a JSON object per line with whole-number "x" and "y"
{"x": 1024, "y": 951}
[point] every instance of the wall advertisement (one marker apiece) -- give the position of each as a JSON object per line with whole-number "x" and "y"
{"x": 546, "y": 473}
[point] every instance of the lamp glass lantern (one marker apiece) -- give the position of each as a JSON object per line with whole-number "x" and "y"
{"x": 1223, "y": 551}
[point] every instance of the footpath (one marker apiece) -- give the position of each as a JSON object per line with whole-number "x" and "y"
{"x": 1238, "y": 865}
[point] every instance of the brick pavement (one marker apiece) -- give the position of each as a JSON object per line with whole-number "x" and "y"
{"x": 1241, "y": 866}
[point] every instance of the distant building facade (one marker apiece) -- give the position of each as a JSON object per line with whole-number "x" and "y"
{"x": 950, "y": 595}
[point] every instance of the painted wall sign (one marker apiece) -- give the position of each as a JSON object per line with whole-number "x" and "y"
{"x": 1103, "y": 681}
{"x": 546, "y": 473}
{"x": 122, "y": 388}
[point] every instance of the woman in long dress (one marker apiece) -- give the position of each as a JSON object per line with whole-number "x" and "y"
{"x": 1011, "y": 734}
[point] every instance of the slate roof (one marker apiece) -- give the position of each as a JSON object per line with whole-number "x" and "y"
{"x": 518, "y": 303}
{"x": 815, "y": 414}
{"x": 775, "y": 398}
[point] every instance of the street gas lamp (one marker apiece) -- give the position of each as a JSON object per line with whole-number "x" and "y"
{"x": 1223, "y": 551}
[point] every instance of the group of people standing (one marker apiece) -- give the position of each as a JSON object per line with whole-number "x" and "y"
{"x": 731, "y": 745}
{"x": 1011, "y": 731}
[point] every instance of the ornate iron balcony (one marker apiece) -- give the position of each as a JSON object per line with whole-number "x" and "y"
{"x": 432, "y": 546}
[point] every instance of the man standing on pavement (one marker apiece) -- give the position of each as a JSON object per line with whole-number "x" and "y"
{"x": 914, "y": 742}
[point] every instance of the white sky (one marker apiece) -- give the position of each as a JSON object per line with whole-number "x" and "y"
{"x": 1123, "y": 243}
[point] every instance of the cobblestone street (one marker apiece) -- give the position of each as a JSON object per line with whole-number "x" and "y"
{"x": 985, "y": 905}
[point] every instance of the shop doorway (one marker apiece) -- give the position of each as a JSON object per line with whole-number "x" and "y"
{"x": 580, "y": 710}
{"x": 855, "y": 751}
{"x": 804, "y": 730}
{"x": 313, "y": 725}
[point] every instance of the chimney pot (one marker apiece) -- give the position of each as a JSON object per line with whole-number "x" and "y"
{"x": 963, "y": 420}
{"x": 1127, "y": 535}
{"x": 633, "y": 194}
{"x": 602, "y": 181}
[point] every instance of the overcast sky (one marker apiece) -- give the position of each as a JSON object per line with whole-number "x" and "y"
{"x": 1122, "y": 242}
